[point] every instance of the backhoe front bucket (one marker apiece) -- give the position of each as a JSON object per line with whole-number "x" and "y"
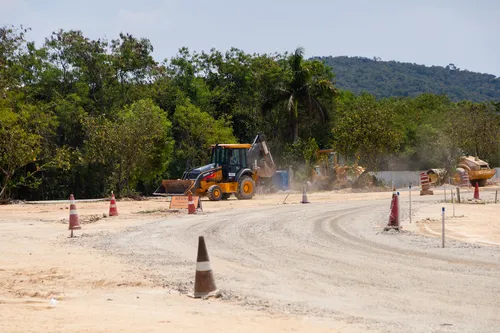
{"x": 174, "y": 187}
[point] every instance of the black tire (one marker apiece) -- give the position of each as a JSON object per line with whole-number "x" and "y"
{"x": 225, "y": 196}
{"x": 246, "y": 188}
{"x": 214, "y": 193}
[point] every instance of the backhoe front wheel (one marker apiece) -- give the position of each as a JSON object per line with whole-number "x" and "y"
{"x": 214, "y": 193}
{"x": 246, "y": 188}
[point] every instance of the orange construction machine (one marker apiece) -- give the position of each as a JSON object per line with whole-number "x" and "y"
{"x": 233, "y": 169}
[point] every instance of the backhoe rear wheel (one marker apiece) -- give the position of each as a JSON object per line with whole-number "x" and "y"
{"x": 246, "y": 188}
{"x": 214, "y": 193}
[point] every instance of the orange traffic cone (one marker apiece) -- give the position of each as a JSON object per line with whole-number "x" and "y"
{"x": 304, "y": 196}
{"x": 476, "y": 192}
{"x": 426, "y": 185}
{"x": 191, "y": 206}
{"x": 74, "y": 224}
{"x": 113, "y": 210}
{"x": 394, "y": 215}
{"x": 204, "y": 284}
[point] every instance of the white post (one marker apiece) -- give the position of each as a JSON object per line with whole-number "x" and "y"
{"x": 451, "y": 188}
{"x": 453, "y": 201}
{"x": 399, "y": 210}
{"x": 442, "y": 229}
{"x": 409, "y": 187}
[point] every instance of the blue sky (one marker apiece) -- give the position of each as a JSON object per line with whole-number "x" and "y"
{"x": 439, "y": 32}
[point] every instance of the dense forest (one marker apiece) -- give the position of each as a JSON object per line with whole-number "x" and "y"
{"x": 392, "y": 78}
{"x": 90, "y": 116}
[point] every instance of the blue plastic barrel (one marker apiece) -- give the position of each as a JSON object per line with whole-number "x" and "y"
{"x": 280, "y": 180}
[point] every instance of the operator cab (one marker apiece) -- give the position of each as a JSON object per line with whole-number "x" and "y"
{"x": 231, "y": 157}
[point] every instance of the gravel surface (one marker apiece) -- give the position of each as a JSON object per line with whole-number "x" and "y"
{"x": 330, "y": 260}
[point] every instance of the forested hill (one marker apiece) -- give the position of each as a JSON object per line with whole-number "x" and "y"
{"x": 392, "y": 78}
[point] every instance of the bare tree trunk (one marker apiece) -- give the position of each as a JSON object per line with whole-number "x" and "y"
{"x": 295, "y": 121}
{"x": 119, "y": 182}
{"x": 295, "y": 130}
{"x": 4, "y": 187}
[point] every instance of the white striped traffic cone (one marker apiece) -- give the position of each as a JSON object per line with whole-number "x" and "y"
{"x": 113, "y": 209}
{"x": 204, "y": 284}
{"x": 74, "y": 224}
{"x": 191, "y": 206}
{"x": 304, "y": 196}
{"x": 426, "y": 185}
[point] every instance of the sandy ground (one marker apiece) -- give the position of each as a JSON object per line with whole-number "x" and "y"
{"x": 470, "y": 221}
{"x": 322, "y": 267}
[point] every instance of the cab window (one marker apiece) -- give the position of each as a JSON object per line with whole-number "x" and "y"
{"x": 219, "y": 156}
{"x": 234, "y": 158}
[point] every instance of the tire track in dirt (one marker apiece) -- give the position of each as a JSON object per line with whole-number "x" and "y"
{"x": 322, "y": 260}
{"x": 336, "y": 227}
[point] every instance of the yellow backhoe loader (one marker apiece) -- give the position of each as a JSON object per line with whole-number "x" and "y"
{"x": 233, "y": 169}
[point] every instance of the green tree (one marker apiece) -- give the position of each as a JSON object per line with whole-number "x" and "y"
{"x": 366, "y": 129}
{"x": 134, "y": 67}
{"x": 306, "y": 82}
{"x": 83, "y": 67}
{"x": 12, "y": 45}
{"x": 23, "y": 137}
{"x": 136, "y": 146}
{"x": 477, "y": 129}
{"x": 422, "y": 121}
{"x": 194, "y": 132}
{"x": 301, "y": 156}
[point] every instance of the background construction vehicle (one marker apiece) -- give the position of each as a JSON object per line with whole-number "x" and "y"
{"x": 233, "y": 169}
{"x": 479, "y": 171}
{"x": 333, "y": 171}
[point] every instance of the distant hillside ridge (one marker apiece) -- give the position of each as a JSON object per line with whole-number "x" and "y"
{"x": 392, "y": 78}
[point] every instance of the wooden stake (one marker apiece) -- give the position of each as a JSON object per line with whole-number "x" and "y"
{"x": 286, "y": 197}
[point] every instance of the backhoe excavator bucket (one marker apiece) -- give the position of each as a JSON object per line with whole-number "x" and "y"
{"x": 260, "y": 156}
{"x": 265, "y": 169}
{"x": 174, "y": 187}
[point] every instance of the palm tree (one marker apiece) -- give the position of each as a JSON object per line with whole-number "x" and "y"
{"x": 305, "y": 85}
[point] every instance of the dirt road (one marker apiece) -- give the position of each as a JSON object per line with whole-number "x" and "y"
{"x": 324, "y": 266}
{"x": 326, "y": 260}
